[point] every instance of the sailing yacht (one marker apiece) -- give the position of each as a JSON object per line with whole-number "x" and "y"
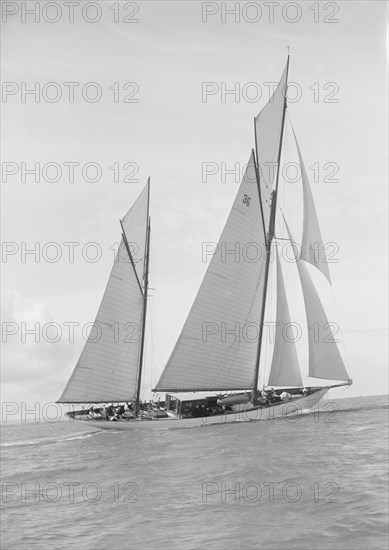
{"x": 213, "y": 374}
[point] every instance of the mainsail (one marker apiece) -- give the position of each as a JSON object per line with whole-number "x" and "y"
{"x": 285, "y": 368}
{"x": 217, "y": 347}
{"x": 325, "y": 361}
{"x": 109, "y": 363}
{"x": 312, "y": 249}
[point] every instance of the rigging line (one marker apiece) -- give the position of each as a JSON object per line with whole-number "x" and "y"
{"x": 130, "y": 256}
{"x": 146, "y": 283}
{"x": 153, "y": 377}
{"x": 268, "y": 240}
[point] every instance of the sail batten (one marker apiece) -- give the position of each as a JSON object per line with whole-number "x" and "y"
{"x": 217, "y": 346}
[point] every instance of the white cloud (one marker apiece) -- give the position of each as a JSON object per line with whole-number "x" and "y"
{"x": 32, "y": 361}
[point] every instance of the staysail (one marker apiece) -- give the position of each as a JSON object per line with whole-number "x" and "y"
{"x": 107, "y": 369}
{"x": 312, "y": 249}
{"x": 268, "y": 129}
{"x": 285, "y": 368}
{"x": 217, "y": 347}
{"x": 325, "y": 361}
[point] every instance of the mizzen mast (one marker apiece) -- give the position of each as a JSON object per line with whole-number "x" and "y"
{"x": 145, "y": 292}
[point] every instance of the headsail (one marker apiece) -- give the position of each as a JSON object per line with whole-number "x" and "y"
{"x": 108, "y": 366}
{"x": 268, "y": 129}
{"x": 325, "y": 360}
{"x": 285, "y": 369}
{"x": 312, "y": 249}
{"x": 217, "y": 347}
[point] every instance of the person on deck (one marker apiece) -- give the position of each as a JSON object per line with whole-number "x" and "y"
{"x": 120, "y": 411}
{"x": 111, "y": 413}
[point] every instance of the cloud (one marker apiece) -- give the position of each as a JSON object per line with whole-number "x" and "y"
{"x": 33, "y": 350}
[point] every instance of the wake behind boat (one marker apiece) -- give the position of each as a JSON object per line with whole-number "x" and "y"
{"x": 213, "y": 373}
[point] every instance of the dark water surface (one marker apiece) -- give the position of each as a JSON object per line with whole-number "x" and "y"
{"x": 315, "y": 482}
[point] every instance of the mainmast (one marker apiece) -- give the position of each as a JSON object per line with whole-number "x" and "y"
{"x": 270, "y": 234}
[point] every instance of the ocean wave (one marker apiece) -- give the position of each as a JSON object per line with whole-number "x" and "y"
{"x": 50, "y": 440}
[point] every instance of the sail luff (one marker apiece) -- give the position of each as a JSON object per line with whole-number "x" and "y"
{"x": 146, "y": 286}
{"x": 148, "y": 225}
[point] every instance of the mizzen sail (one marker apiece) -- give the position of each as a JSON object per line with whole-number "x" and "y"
{"x": 217, "y": 347}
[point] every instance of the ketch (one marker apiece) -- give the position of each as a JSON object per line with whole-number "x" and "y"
{"x": 213, "y": 377}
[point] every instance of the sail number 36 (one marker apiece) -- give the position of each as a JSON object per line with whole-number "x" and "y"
{"x": 246, "y": 200}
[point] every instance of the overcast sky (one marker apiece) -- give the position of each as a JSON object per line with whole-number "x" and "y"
{"x": 338, "y": 62}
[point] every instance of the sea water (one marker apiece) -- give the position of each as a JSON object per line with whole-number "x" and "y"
{"x": 312, "y": 481}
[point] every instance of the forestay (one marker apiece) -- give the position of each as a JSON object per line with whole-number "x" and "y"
{"x": 217, "y": 347}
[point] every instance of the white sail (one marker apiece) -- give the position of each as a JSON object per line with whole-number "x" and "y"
{"x": 268, "y": 129}
{"x": 217, "y": 347}
{"x": 325, "y": 361}
{"x": 108, "y": 366}
{"x": 285, "y": 368}
{"x": 134, "y": 226}
{"x": 312, "y": 249}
